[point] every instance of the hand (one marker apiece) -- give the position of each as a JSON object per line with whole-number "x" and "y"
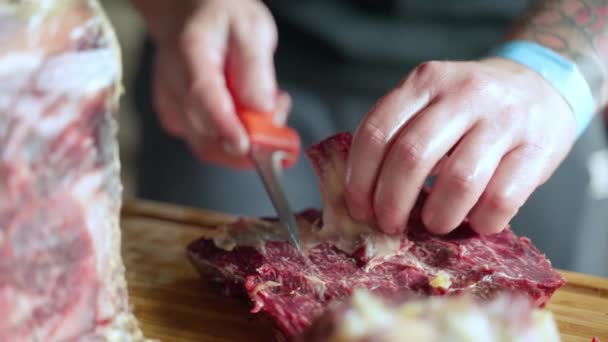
{"x": 499, "y": 129}
{"x": 220, "y": 60}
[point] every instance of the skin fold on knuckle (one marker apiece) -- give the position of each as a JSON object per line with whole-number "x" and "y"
{"x": 428, "y": 73}
{"x": 196, "y": 45}
{"x": 210, "y": 95}
{"x": 411, "y": 152}
{"x": 493, "y": 211}
{"x": 373, "y": 135}
{"x": 461, "y": 181}
{"x": 532, "y": 150}
{"x": 476, "y": 83}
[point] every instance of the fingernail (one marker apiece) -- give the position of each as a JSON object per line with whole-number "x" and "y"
{"x": 236, "y": 150}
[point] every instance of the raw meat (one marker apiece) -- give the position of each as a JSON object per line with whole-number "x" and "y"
{"x": 368, "y": 317}
{"x": 252, "y": 256}
{"x": 61, "y": 273}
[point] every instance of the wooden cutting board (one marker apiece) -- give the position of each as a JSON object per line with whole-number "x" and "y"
{"x": 174, "y": 304}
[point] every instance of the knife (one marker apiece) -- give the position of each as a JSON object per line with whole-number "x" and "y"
{"x": 273, "y": 148}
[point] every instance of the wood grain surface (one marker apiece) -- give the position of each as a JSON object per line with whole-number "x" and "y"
{"x": 173, "y": 303}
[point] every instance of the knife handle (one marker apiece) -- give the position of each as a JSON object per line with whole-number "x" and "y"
{"x": 263, "y": 132}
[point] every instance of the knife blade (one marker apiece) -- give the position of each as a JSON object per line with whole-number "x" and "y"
{"x": 274, "y": 148}
{"x": 268, "y": 164}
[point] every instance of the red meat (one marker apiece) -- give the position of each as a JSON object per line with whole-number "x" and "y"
{"x": 253, "y": 257}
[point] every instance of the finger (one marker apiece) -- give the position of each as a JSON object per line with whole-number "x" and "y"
{"x": 411, "y": 158}
{"x": 283, "y": 107}
{"x": 168, "y": 110}
{"x": 196, "y": 138}
{"x": 439, "y": 166}
{"x": 517, "y": 176}
{"x": 463, "y": 177}
{"x": 209, "y": 101}
{"x": 167, "y": 83}
{"x": 371, "y": 142}
{"x": 212, "y": 151}
{"x": 250, "y": 72}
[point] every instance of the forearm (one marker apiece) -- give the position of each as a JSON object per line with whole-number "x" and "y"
{"x": 577, "y": 29}
{"x": 164, "y": 18}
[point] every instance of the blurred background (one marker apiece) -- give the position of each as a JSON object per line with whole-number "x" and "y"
{"x": 130, "y": 31}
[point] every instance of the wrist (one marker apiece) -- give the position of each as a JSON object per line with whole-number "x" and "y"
{"x": 562, "y": 74}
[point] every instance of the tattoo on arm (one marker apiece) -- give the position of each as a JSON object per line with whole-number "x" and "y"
{"x": 578, "y": 29}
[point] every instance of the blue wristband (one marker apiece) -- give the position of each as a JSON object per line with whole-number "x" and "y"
{"x": 559, "y": 72}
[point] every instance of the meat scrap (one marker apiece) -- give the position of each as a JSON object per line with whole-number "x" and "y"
{"x": 253, "y": 257}
{"x": 61, "y": 272}
{"x": 366, "y": 316}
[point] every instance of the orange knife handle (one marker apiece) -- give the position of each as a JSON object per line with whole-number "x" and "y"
{"x": 264, "y": 132}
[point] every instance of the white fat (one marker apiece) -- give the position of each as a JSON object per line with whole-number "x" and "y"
{"x": 41, "y": 12}
{"x": 16, "y": 69}
{"x": 86, "y": 190}
{"x": 124, "y": 329}
{"x": 381, "y": 245}
{"x": 258, "y": 232}
{"x": 78, "y": 318}
{"x": 319, "y": 286}
{"x": 224, "y": 240}
{"x": 547, "y": 331}
{"x": 82, "y": 31}
{"x": 441, "y": 280}
{"x": 255, "y": 234}
{"x": 34, "y": 10}
{"x": 82, "y": 72}
{"x": 263, "y": 286}
{"x": 50, "y": 125}
{"x": 338, "y": 226}
{"x": 457, "y": 319}
{"x": 367, "y": 314}
{"x": 21, "y": 303}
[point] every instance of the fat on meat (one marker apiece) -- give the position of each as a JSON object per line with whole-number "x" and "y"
{"x": 406, "y": 317}
{"x": 252, "y": 256}
{"x": 62, "y": 277}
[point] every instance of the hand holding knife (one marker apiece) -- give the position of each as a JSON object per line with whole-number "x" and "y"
{"x": 273, "y": 148}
